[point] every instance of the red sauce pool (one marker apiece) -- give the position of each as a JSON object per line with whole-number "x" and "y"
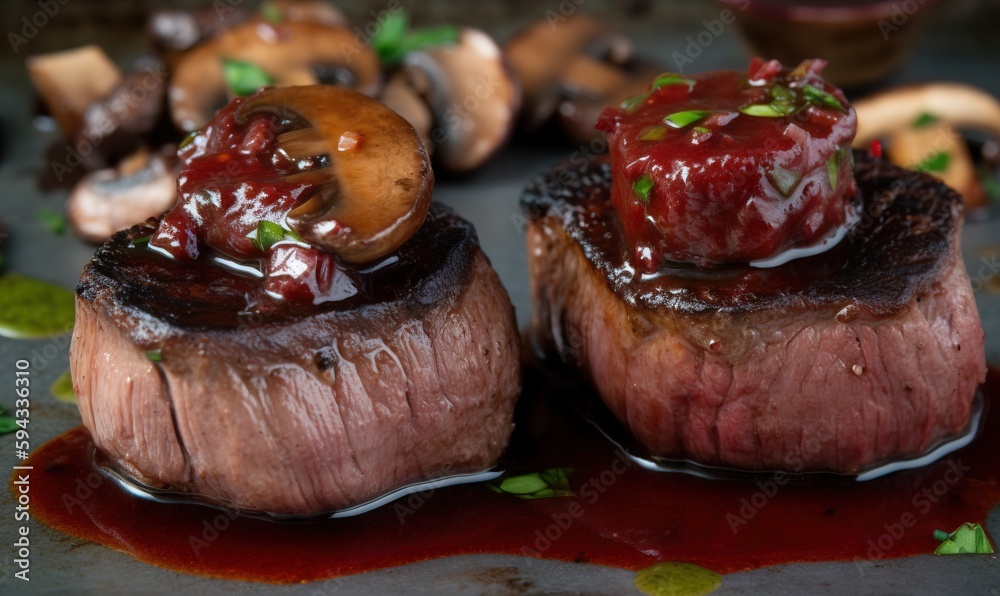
{"x": 621, "y": 516}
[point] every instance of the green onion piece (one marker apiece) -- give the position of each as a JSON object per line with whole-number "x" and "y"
{"x": 937, "y": 162}
{"x": 243, "y": 78}
{"x": 154, "y": 356}
{"x": 833, "y": 166}
{"x": 925, "y": 119}
{"x": 682, "y": 119}
{"x": 553, "y": 482}
{"x": 667, "y": 78}
{"x": 653, "y": 133}
{"x": 969, "y": 538}
{"x": 765, "y": 110}
{"x": 642, "y": 186}
{"x": 271, "y": 13}
{"x": 269, "y": 233}
{"x": 141, "y": 241}
{"x": 53, "y": 222}
{"x": 676, "y": 579}
{"x": 702, "y": 130}
{"x": 187, "y": 140}
{"x": 786, "y": 181}
{"x": 783, "y": 94}
{"x": 815, "y": 95}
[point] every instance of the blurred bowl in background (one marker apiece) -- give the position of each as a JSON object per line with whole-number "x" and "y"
{"x": 863, "y": 40}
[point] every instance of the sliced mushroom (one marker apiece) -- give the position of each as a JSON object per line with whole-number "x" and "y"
{"x": 116, "y": 124}
{"x": 376, "y": 190}
{"x": 954, "y": 103}
{"x": 294, "y": 53}
{"x": 472, "y": 94}
{"x": 107, "y": 201}
{"x": 70, "y": 81}
{"x": 550, "y": 59}
{"x": 400, "y": 95}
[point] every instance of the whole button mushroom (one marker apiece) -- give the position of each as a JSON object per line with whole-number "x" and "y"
{"x": 472, "y": 94}
{"x": 293, "y": 53}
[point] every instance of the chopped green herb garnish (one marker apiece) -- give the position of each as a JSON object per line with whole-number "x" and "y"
{"x": 642, "y": 186}
{"x": 141, "y": 241}
{"x": 62, "y": 389}
{"x": 677, "y": 579}
{"x": 187, "y": 140}
{"x": 782, "y": 94}
{"x": 271, "y": 12}
{"x": 392, "y": 41}
{"x": 682, "y": 119}
{"x": 667, "y": 78}
{"x": 53, "y": 222}
{"x": 815, "y": 95}
{"x": 553, "y": 482}
{"x": 653, "y": 133}
{"x": 924, "y": 119}
{"x": 937, "y": 162}
{"x": 969, "y": 538}
{"x": 702, "y": 129}
{"x": 765, "y": 110}
{"x": 269, "y": 233}
{"x": 243, "y": 78}
{"x": 833, "y": 166}
{"x": 154, "y": 356}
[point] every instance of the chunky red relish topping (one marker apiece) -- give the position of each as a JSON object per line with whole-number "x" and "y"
{"x": 731, "y": 166}
{"x": 234, "y": 193}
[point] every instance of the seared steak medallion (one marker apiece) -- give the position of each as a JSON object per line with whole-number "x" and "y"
{"x": 837, "y": 362}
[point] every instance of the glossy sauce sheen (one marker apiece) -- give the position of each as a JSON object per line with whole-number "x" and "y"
{"x": 621, "y": 516}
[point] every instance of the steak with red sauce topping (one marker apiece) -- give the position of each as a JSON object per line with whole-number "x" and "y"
{"x": 837, "y": 362}
{"x": 264, "y": 405}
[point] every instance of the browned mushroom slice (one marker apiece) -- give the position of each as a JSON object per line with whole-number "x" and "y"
{"x": 578, "y": 112}
{"x": 400, "y": 95}
{"x": 542, "y": 54}
{"x": 293, "y": 53}
{"x": 376, "y": 190}
{"x": 70, "y": 81}
{"x": 107, "y": 201}
{"x": 472, "y": 94}
{"x": 939, "y": 150}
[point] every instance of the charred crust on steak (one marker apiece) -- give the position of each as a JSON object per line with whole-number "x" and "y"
{"x": 433, "y": 266}
{"x": 892, "y": 255}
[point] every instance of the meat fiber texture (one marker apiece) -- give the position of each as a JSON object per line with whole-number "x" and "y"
{"x": 314, "y": 415}
{"x": 801, "y": 387}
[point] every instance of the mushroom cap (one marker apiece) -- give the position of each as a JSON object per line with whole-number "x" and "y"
{"x": 109, "y": 200}
{"x": 377, "y": 189}
{"x": 473, "y": 95}
{"x": 288, "y": 51}
{"x": 400, "y": 95}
